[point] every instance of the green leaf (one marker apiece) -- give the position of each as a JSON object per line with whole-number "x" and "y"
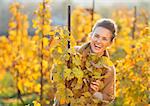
{"x": 79, "y": 84}
{"x": 69, "y": 92}
{"x": 76, "y": 60}
{"x": 87, "y": 64}
{"x": 78, "y": 73}
{"x": 96, "y": 75}
{"x": 106, "y": 60}
{"x": 87, "y": 94}
{"x": 67, "y": 72}
{"x": 70, "y": 77}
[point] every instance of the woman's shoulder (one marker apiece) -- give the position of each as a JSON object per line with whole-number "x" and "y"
{"x": 82, "y": 48}
{"x": 77, "y": 48}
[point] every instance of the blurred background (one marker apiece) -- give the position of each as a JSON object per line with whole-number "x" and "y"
{"x": 103, "y": 7}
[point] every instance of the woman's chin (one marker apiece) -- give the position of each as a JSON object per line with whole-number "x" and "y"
{"x": 98, "y": 51}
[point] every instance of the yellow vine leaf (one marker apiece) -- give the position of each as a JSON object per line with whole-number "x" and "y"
{"x": 36, "y": 103}
{"x": 46, "y": 29}
{"x": 45, "y": 42}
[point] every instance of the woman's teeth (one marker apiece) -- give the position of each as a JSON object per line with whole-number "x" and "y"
{"x": 97, "y": 46}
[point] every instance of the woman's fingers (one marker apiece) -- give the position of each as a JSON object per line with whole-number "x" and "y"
{"x": 94, "y": 87}
{"x": 98, "y": 81}
{"x": 95, "y": 83}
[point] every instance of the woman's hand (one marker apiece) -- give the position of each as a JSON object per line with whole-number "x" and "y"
{"x": 95, "y": 85}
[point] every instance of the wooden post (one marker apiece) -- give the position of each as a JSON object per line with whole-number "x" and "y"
{"x": 69, "y": 23}
{"x": 93, "y": 7}
{"x": 134, "y": 23}
{"x": 42, "y": 57}
{"x": 69, "y": 29}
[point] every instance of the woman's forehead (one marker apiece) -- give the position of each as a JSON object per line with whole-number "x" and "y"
{"x": 102, "y": 31}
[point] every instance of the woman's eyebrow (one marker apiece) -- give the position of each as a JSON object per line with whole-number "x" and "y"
{"x": 100, "y": 35}
{"x": 97, "y": 34}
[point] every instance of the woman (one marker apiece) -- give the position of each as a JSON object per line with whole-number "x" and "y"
{"x": 101, "y": 37}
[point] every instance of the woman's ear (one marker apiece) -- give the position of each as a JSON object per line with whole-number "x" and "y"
{"x": 114, "y": 39}
{"x": 111, "y": 43}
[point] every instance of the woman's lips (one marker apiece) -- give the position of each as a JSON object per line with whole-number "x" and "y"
{"x": 98, "y": 47}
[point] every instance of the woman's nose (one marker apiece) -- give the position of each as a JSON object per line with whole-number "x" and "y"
{"x": 99, "y": 40}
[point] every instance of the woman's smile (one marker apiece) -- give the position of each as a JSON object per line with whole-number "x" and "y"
{"x": 98, "y": 47}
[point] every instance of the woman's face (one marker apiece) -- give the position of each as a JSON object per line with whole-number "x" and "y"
{"x": 100, "y": 39}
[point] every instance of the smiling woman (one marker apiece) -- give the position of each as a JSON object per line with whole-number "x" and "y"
{"x": 101, "y": 37}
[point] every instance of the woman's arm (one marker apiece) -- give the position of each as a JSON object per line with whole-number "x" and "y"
{"x": 109, "y": 91}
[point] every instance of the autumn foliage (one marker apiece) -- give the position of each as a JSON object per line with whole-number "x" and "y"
{"x": 40, "y": 67}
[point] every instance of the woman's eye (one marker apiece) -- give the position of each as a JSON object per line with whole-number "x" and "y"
{"x": 105, "y": 39}
{"x": 96, "y": 36}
